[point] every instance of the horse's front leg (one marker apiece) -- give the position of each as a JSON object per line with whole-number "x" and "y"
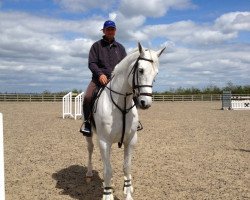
{"x": 107, "y": 173}
{"x": 90, "y": 144}
{"x": 128, "y": 150}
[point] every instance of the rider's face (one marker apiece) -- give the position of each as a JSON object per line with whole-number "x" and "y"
{"x": 109, "y": 33}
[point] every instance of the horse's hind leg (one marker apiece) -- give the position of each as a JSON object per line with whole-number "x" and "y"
{"x": 90, "y": 143}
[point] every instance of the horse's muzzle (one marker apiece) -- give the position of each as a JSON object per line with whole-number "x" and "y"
{"x": 144, "y": 104}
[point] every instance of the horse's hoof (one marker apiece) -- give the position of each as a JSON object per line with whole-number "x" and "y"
{"x": 88, "y": 179}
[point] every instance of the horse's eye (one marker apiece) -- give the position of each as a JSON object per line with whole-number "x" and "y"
{"x": 141, "y": 71}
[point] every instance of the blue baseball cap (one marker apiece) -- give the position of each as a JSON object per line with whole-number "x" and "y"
{"x": 108, "y": 24}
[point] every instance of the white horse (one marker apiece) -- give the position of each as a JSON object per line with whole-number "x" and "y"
{"x": 116, "y": 117}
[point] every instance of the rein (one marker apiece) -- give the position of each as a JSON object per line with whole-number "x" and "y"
{"x": 135, "y": 86}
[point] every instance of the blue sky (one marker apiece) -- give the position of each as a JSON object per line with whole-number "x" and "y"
{"x": 44, "y": 44}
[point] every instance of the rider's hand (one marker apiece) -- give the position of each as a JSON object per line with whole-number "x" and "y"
{"x": 103, "y": 79}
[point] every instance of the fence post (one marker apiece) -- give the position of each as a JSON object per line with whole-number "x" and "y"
{"x": 2, "y": 188}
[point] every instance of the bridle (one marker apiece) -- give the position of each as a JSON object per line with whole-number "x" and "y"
{"x": 135, "y": 86}
{"x": 135, "y": 79}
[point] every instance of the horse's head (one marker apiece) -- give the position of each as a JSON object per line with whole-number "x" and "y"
{"x": 144, "y": 71}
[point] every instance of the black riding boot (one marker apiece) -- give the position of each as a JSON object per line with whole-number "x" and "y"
{"x": 86, "y": 125}
{"x": 86, "y": 129}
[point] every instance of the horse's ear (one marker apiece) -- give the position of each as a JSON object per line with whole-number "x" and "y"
{"x": 160, "y": 51}
{"x": 141, "y": 50}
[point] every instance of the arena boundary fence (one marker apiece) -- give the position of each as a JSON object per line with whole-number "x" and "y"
{"x": 156, "y": 97}
{"x": 196, "y": 97}
{"x": 22, "y": 97}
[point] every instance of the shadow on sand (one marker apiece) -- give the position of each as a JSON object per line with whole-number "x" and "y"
{"x": 72, "y": 182}
{"x": 242, "y": 150}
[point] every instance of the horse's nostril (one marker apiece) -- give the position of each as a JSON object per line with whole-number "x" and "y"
{"x": 143, "y": 103}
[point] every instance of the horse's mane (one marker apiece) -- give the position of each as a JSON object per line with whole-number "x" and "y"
{"x": 123, "y": 64}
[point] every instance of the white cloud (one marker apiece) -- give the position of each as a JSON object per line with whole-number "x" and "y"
{"x": 153, "y": 8}
{"x": 225, "y": 28}
{"x": 28, "y": 24}
{"x": 84, "y": 5}
{"x": 36, "y": 49}
{"x": 187, "y": 67}
{"x": 127, "y": 25}
{"x": 112, "y": 16}
{"x": 234, "y": 21}
{"x": 49, "y": 53}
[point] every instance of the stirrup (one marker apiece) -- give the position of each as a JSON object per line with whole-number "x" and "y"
{"x": 85, "y": 129}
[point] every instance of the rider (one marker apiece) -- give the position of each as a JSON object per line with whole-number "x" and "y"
{"x": 104, "y": 55}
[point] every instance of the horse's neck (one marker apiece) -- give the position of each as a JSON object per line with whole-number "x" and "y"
{"x": 119, "y": 82}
